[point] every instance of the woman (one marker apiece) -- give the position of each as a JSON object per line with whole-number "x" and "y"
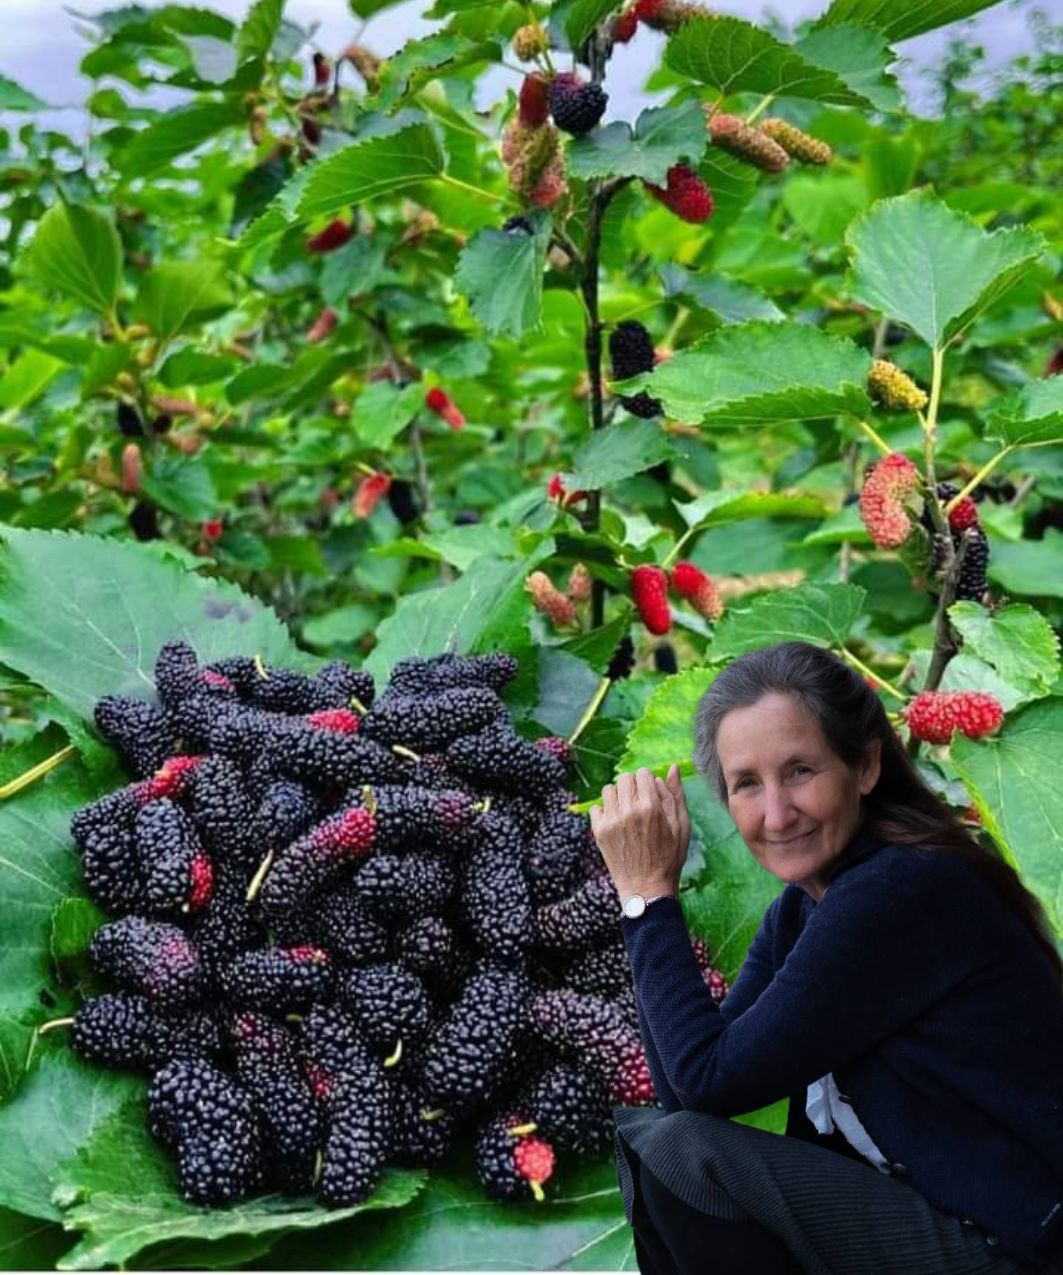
{"x": 903, "y": 990}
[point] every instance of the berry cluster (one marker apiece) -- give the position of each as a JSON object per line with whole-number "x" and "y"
{"x": 350, "y": 927}
{"x": 965, "y": 531}
{"x": 650, "y": 586}
{"x": 935, "y": 716}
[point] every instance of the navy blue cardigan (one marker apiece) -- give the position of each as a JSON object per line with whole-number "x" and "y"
{"x": 915, "y": 984}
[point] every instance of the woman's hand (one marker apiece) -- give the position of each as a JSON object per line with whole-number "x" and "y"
{"x": 642, "y": 829}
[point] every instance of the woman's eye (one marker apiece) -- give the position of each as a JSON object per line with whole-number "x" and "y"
{"x": 742, "y": 783}
{"x": 805, "y": 768}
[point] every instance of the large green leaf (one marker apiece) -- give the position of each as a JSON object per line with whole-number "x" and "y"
{"x": 1017, "y": 640}
{"x": 1013, "y": 777}
{"x": 727, "y": 299}
{"x": 76, "y": 251}
{"x": 823, "y": 614}
{"x": 37, "y": 873}
{"x": 921, "y": 263}
{"x": 609, "y": 455}
{"x": 451, "y": 1225}
{"x": 371, "y": 168}
{"x": 663, "y": 135}
{"x": 178, "y": 294}
{"x": 382, "y": 411}
{"x": 901, "y": 19}
{"x": 735, "y": 56}
{"x": 176, "y": 133}
{"x": 860, "y": 57}
{"x": 501, "y": 272}
{"x": 823, "y": 204}
{"x": 1032, "y": 414}
{"x": 56, "y": 1108}
{"x": 718, "y": 508}
{"x": 758, "y": 372}
{"x": 583, "y": 16}
{"x": 1033, "y": 568}
{"x": 83, "y": 616}
{"x": 121, "y": 1191}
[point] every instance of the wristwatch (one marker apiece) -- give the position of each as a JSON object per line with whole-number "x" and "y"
{"x": 635, "y": 904}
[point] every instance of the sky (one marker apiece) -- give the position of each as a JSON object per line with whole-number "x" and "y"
{"x": 42, "y": 46}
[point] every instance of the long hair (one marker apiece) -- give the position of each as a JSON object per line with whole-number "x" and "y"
{"x": 901, "y": 808}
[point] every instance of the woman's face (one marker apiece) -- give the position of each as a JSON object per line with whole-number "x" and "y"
{"x": 795, "y": 801}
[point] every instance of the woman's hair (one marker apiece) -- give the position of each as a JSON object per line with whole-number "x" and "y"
{"x": 901, "y": 808}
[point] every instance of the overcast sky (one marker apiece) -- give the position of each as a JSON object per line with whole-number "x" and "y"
{"x": 42, "y": 45}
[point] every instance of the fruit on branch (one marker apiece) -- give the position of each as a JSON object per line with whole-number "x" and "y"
{"x": 882, "y": 500}
{"x": 129, "y": 422}
{"x": 132, "y": 468}
{"x": 549, "y": 599}
{"x": 555, "y": 489}
{"x": 797, "y": 143}
{"x": 630, "y": 353}
{"x": 732, "y": 134}
{"x": 439, "y": 401}
{"x": 685, "y": 194}
{"x": 533, "y": 105}
{"x": 322, "y": 70}
{"x": 534, "y": 164}
{"x": 576, "y": 106}
{"x": 966, "y": 533}
{"x": 369, "y": 492}
{"x": 334, "y": 236}
{"x": 649, "y": 588}
{"x": 579, "y": 584}
{"x": 212, "y": 528}
{"x": 367, "y": 64}
{"x": 894, "y": 389}
{"x": 530, "y": 41}
{"x": 624, "y": 25}
{"x": 322, "y": 325}
{"x": 935, "y": 716}
{"x": 623, "y": 659}
{"x": 690, "y": 582}
{"x": 667, "y": 15}
{"x": 403, "y": 498}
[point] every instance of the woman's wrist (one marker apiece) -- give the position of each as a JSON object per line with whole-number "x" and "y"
{"x": 648, "y": 889}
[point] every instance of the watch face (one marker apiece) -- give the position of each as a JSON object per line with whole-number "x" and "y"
{"x": 635, "y": 906}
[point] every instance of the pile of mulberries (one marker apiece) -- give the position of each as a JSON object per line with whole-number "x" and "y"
{"x": 348, "y": 929}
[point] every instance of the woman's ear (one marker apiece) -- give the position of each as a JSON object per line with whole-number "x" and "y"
{"x": 872, "y": 767}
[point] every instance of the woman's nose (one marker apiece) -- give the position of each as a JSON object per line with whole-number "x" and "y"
{"x": 779, "y": 809}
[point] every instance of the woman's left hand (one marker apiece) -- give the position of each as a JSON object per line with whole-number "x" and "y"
{"x": 642, "y": 829}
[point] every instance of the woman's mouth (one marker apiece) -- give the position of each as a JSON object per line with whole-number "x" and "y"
{"x": 794, "y": 841}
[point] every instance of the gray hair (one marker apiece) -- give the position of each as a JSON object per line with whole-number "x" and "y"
{"x": 848, "y": 711}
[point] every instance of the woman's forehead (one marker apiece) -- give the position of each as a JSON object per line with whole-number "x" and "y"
{"x": 767, "y": 732}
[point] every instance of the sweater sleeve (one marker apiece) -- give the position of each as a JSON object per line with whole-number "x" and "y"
{"x": 873, "y": 955}
{"x": 661, "y": 1087}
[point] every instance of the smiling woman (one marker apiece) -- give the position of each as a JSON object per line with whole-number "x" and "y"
{"x": 902, "y": 992}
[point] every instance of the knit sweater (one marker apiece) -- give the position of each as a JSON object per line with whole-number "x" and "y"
{"x": 926, "y": 997}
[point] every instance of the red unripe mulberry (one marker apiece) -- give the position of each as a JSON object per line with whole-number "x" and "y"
{"x": 213, "y": 528}
{"x": 625, "y": 25}
{"x": 649, "y": 588}
{"x": 963, "y": 515}
{"x": 686, "y": 194}
{"x": 322, "y": 69}
{"x": 690, "y": 582}
{"x": 534, "y": 102}
{"x": 322, "y": 325}
{"x": 882, "y": 500}
{"x": 334, "y": 236}
{"x": 370, "y": 489}
{"x": 935, "y": 716}
{"x": 440, "y": 402}
{"x": 132, "y": 468}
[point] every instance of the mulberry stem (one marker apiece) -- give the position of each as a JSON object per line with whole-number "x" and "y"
{"x": 981, "y": 476}
{"x": 861, "y": 667}
{"x": 762, "y": 105}
{"x": 874, "y": 436}
{"x": 35, "y": 772}
{"x": 45, "y": 1028}
{"x": 259, "y": 877}
{"x": 458, "y": 184}
{"x": 591, "y": 709}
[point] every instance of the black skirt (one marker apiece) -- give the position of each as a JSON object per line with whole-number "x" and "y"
{"x": 833, "y": 1214}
